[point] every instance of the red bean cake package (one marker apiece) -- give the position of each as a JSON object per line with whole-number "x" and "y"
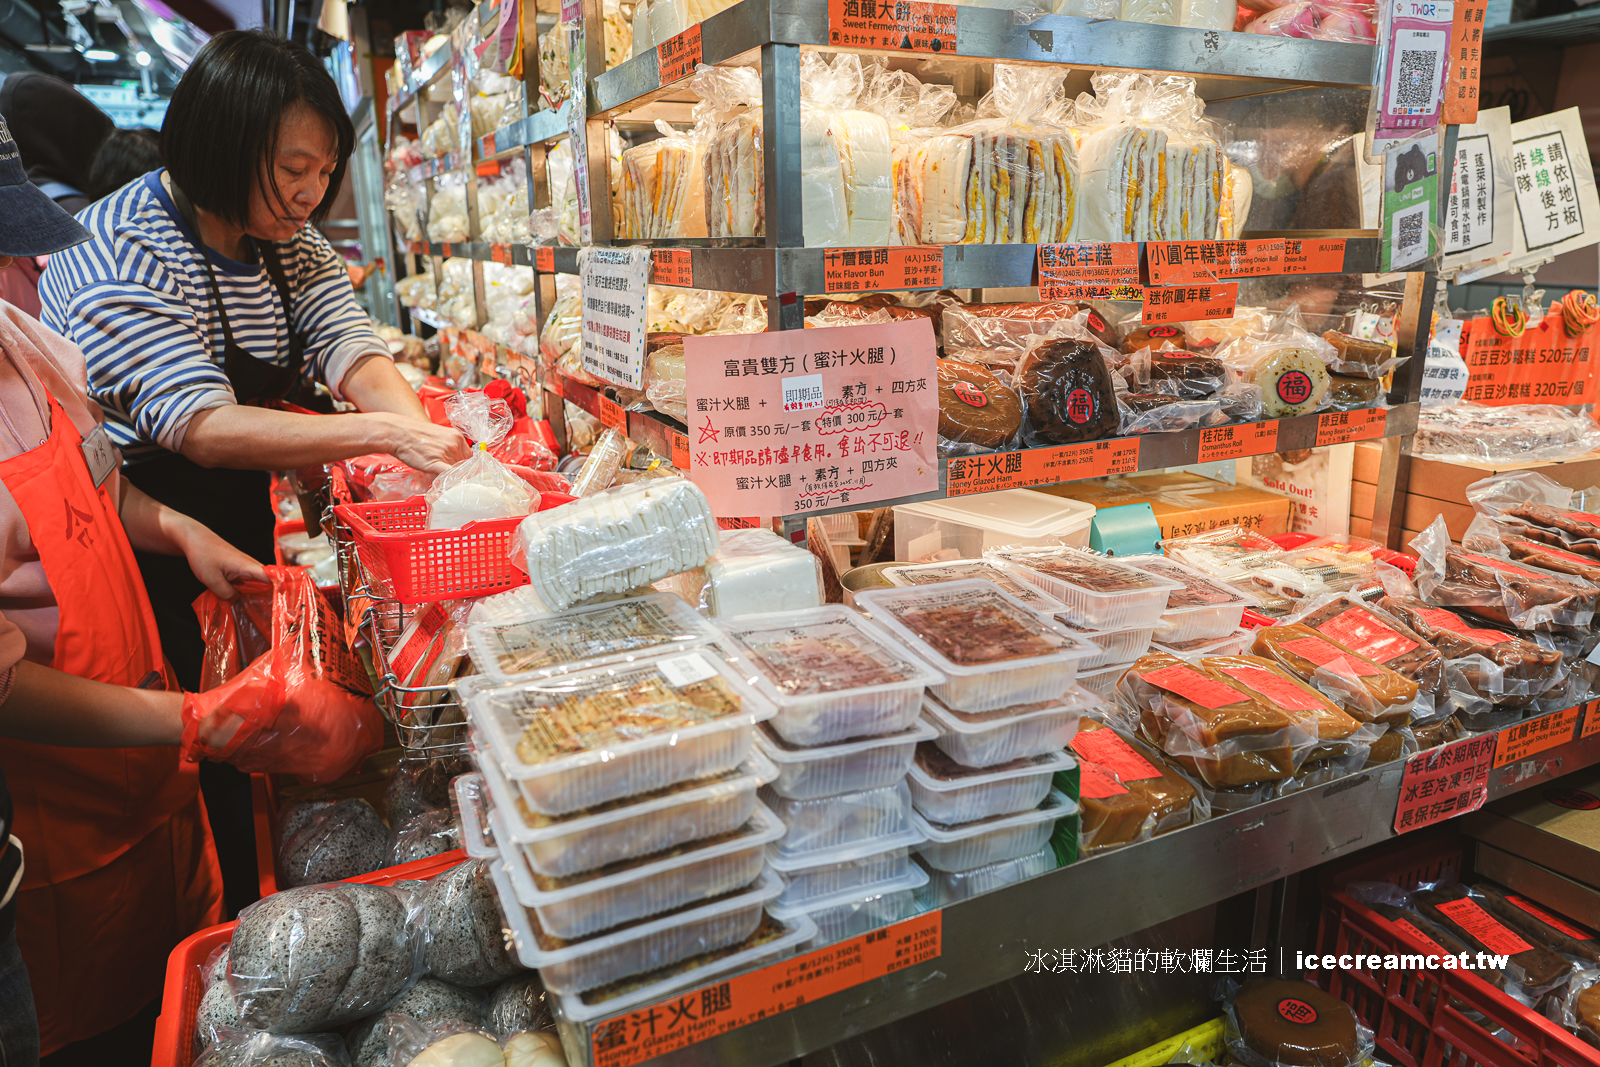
{"x": 1498, "y": 666}
{"x": 1494, "y": 587}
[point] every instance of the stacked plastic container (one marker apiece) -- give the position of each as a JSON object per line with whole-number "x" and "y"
{"x": 620, "y": 780}
{"x": 847, "y": 696}
{"x": 1203, "y": 613}
{"x": 1005, "y": 710}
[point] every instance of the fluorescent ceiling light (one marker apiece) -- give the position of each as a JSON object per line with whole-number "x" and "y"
{"x": 101, "y": 55}
{"x": 143, "y": 57}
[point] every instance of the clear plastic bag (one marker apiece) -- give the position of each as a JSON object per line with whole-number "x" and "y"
{"x": 446, "y": 1045}
{"x": 1517, "y": 594}
{"x": 1516, "y": 433}
{"x": 600, "y": 468}
{"x": 447, "y": 211}
{"x": 1576, "y": 1005}
{"x": 421, "y": 784}
{"x": 241, "y": 1048}
{"x": 517, "y": 1004}
{"x": 1482, "y": 664}
{"x": 429, "y": 1003}
{"x": 217, "y": 1012}
{"x": 914, "y": 112}
{"x": 480, "y": 487}
{"x": 1162, "y": 412}
{"x": 666, "y": 383}
{"x": 325, "y": 842}
{"x": 758, "y": 571}
{"x": 997, "y": 335}
{"x": 1326, "y": 1031}
{"x": 1319, "y": 20}
{"x": 663, "y": 182}
{"x": 428, "y": 834}
{"x": 1531, "y": 971}
{"x": 1128, "y": 792}
{"x": 466, "y": 944}
{"x": 1367, "y": 691}
{"x": 307, "y": 959}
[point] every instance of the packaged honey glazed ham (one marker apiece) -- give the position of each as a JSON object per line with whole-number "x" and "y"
{"x": 1369, "y": 692}
{"x": 1067, "y": 392}
{"x": 1552, "y": 558}
{"x": 975, "y": 407}
{"x": 1532, "y": 970}
{"x": 1280, "y": 1022}
{"x": 1127, "y": 790}
{"x": 1350, "y": 622}
{"x": 1517, "y": 594}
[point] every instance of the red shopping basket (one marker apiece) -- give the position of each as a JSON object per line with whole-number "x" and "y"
{"x": 180, "y": 995}
{"x": 1420, "y": 1018}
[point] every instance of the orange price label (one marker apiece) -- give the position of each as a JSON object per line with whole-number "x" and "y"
{"x": 1235, "y": 442}
{"x": 444, "y": 249}
{"x": 738, "y": 523}
{"x": 612, "y": 414}
{"x": 416, "y": 248}
{"x": 1337, "y": 427}
{"x": 905, "y": 26}
{"x": 489, "y": 168}
{"x": 1041, "y": 466}
{"x": 1444, "y": 782}
{"x": 486, "y": 363}
{"x": 678, "y": 55}
{"x": 553, "y": 382}
{"x": 867, "y": 270}
{"x": 1189, "y": 303}
{"x": 1089, "y": 270}
{"x": 678, "y": 445}
{"x": 486, "y": 145}
{"x": 544, "y": 258}
{"x": 1591, "y": 719}
{"x": 500, "y": 254}
{"x": 1459, "y": 104}
{"x": 716, "y": 1009}
{"x": 672, "y": 266}
{"x": 1524, "y": 739}
{"x": 1543, "y": 366}
{"x": 1175, "y": 262}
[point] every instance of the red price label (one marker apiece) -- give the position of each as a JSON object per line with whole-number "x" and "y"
{"x": 1189, "y": 303}
{"x": 1181, "y": 262}
{"x": 1524, "y": 739}
{"x": 1235, "y": 442}
{"x": 486, "y": 145}
{"x": 544, "y": 258}
{"x": 672, "y": 266}
{"x": 612, "y": 414}
{"x": 1591, "y": 720}
{"x": 489, "y": 168}
{"x": 1041, "y": 466}
{"x": 904, "y": 26}
{"x": 500, "y": 254}
{"x": 678, "y": 55}
{"x": 416, "y": 248}
{"x": 1089, "y": 270}
{"x": 444, "y": 249}
{"x": 679, "y": 447}
{"x": 868, "y": 270}
{"x": 1337, "y": 427}
{"x": 1444, "y": 782}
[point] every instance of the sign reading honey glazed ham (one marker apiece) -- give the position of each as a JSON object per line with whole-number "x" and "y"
{"x": 898, "y": 25}
{"x": 1543, "y": 366}
{"x": 987, "y": 473}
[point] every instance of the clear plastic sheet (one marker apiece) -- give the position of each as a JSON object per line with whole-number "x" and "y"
{"x": 1517, "y": 433}
{"x": 327, "y": 841}
{"x": 429, "y": 1003}
{"x": 465, "y": 941}
{"x": 1162, "y": 412}
{"x": 1360, "y": 358}
{"x": 480, "y": 487}
{"x": 759, "y": 571}
{"x": 1319, "y": 20}
{"x": 428, "y": 834}
{"x": 517, "y": 1004}
{"x": 1517, "y": 594}
{"x": 1576, "y": 1005}
{"x": 241, "y": 1048}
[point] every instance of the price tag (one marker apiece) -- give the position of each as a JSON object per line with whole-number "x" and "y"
{"x": 1591, "y": 720}
{"x": 868, "y": 270}
{"x": 1089, "y": 269}
{"x": 747, "y": 522}
{"x": 1041, "y": 466}
{"x": 904, "y": 26}
{"x": 1337, "y": 427}
{"x": 500, "y": 254}
{"x": 416, "y": 248}
{"x": 1444, "y": 782}
{"x": 678, "y": 445}
{"x": 1235, "y": 442}
{"x": 1524, "y": 739}
{"x": 720, "y": 1007}
{"x": 1174, "y": 262}
{"x": 489, "y": 168}
{"x": 486, "y": 145}
{"x": 678, "y": 55}
{"x": 444, "y": 249}
{"x": 672, "y": 266}
{"x": 1189, "y": 303}
{"x": 612, "y": 414}
{"x": 544, "y": 258}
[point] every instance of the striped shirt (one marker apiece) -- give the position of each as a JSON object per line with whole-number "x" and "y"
{"x": 137, "y": 300}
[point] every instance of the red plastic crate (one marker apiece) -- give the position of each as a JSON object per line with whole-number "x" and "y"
{"x": 181, "y": 993}
{"x": 1420, "y": 1017}
{"x": 410, "y": 563}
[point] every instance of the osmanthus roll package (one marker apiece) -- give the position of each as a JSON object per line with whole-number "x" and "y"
{"x": 1481, "y": 661}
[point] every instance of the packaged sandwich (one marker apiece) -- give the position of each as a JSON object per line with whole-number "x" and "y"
{"x": 662, "y": 182}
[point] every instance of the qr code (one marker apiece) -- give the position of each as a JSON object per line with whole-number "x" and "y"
{"x": 1415, "y": 84}
{"x": 1409, "y": 232}
{"x": 1408, "y": 236}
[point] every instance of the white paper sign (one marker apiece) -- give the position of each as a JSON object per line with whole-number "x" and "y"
{"x": 616, "y": 285}
{"x": 1444, "y": 373}
{"x": 1481, "y": 215}
{"x": 1557, "y": 208}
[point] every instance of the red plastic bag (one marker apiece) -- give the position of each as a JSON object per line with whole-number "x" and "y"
{"x": 280, "y": 691}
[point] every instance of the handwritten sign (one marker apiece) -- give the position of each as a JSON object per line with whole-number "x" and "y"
{"x": 1189, "y": 303}
{"x": 904, "y": 26}
{"x": 1337, "y": 427}
{"x": 1041, "y": 466}
{"x": 678, "y": 55}
{"x": 1444, "y": 782}
{"x": 866, "y": 270}
{"x": 1089, "y": 270}
{"x": 1524, "y": 739}
{"x": 1235, "y": 442}
{"x": 1460, "y": 105}
{"x": 672, "y": 266}
{"x": 1181, "y": 262}
{"x": 872, "y": 436}
{"x": 615, "y": 285}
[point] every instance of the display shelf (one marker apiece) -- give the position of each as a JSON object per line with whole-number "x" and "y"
{"x": 1219, "y": 60}
{"x": 560, "y": 261}
{"x": 537, "y": 128}
{"x": 430, "y": 70}
{"x": 989, "y": 939}
{"x": 1557, "y": 31}
{"x": 432, "y": 168}
{"x": 426, "y": 315}
{"x": 664, "y": 435}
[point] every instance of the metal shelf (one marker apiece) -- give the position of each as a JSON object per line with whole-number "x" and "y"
{"x": 987, "y": 939}
{"x": 1221, "y": 61}
{"x": 1557, "y": 31}
{"x": 432, "y": 67}
{"x": 537, "y": 128}
{"x": 432, "y": 168}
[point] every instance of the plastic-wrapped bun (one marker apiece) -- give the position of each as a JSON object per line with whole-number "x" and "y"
{"x": 466, "y": 943}
{"x": 519, "y": 1003}
{"x": 480, "y": 487}
{"x": 239, "y": 1048}
{"x": 1216, "y": 15}
{"x": 429, "y": 834}
{"x": 534, "y": 1050}
{"x": 216, "y": 1014}
{"x": 430, "y": 1004}
{"x": 461, "y": 1050}
{"x": 331, "y": 841}
{"x": 666, "y": 382}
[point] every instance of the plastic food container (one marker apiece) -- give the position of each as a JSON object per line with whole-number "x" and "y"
{"x": 872, "y": 816}
{"x": 669, "y": 739}
{"x": 831, "y": 674}
{"x": 1202, "y": 606}
{"x": 943, "y": 791}
{"x": 1004, "y": 653}
{"x": 1005, "y": 837}
{"x": 579, "y": 638}
{"x": 987, "y": 738}
{"x": 583, "y": 841}
{"x": 1100, "y": 593}
{"x": 857, "y": 911}
{"x": 472, "y": 805}
{"x": 847, "y": 767}
{"x": 588, "y": 903}
{"x": 1236, "y": 643}
{"x": 756, "y": 950}
{"x": 959, "y": 569}
{"x": 1101, "y": 682}
{"x": 947, "y": 887}
{"x": 962, "y": 528}
{"x": 1116, "y": 646}
{"x": 574, "y": 966}
{"x": 837, "y": 870}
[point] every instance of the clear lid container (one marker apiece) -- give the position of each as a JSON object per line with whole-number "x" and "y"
{"x": 873, "y": 819}
{"x": 1123, "y": 645}
{"x": 945, "y": 791}
{"x": 943, "y": 775}
{"x": 846, "y": 767}
{"x": 1099, "y": 592}
{"x": 945, "y": 718}
{"x": 472, "y": 811}
{"x": 1197, "y": 591}
{"x": 990, "y": 570}
{"x": 913, "y": 878}
{"x": 579, "y": 638}
{"x": 835, "y": 871}
{"x": 1233, "y": 644}
{"x": 992, "y": 840}
{"x": 948, "y": 887}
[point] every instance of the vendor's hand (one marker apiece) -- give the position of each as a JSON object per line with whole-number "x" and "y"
{"x": 218, "y": 564}
{"x": 422, "y": 445}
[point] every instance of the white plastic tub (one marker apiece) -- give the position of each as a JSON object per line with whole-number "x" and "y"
{"x": 837, "y": 870}
{"x": 1236, "y": 643}
{"x": 472, "y": 801}
{"x": 963, "y": 527}
{"x": 670, "y": 740}
{"x": 1116, "y": 646}
{"x": 856, "y": 911}
{"x": 948, "y": 794}
{"x": 947, "y": 887}
{"x": 989, "y": 570}
{"x": 1099, "y": 592}
{"x": 880, "y": 816}
{"x": 987, "y": 738}
{"x": 1202, "y": 607}
{"x": 1101, "y": 682}
{"x": 585, "y": 904}
{"x": 574, "y": 966}
{"x": 992, "y": 650}
{"x": 830, "y": 673}
{"x": 1005, "y": 837}
{"x": 579, "y": 638}
{"x": 563, "y": 846}
{"x": 846, "y": 767}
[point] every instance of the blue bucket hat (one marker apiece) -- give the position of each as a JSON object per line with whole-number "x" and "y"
{"x": 30, "y": 222}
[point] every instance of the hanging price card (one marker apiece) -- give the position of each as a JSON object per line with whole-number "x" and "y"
{"x": 1444, "y": 782}
{"x": 612, "y": 414}
{"x": 1174, "y": 262}
{"x": 1189, "y": 303}
{"x": 1523, "y": 739}
{"x": 678, "y": 55}
{"x": 905, "y": 26}
{"x": 500, "y": 254}
{"x": 1041, "y": 466}
{"x": 1338, "y": 427}
{"x": 746, "y": 522}
{"x": 544, "y": 258}
{"x": 672, "y": 266}
{"x": 867, "y": 270}
{"x": 1235, "y": 442}
{"x": 489, "y": 168}
{"x": 1089, "y": 269}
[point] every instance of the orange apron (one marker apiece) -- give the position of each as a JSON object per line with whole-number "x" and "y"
{"x": 120, "y": 863}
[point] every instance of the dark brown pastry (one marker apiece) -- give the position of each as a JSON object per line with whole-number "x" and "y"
{"x": 1296, "y": 1024}
{"x": 1386, "y": 749}
{"x": 1577, "y": 525}
{"x": 1458, "y": 637}
{"x": 1553, "y": 559}
{"x": 1357, "y": 357}
{"x": 1459, "y": 912}
{"x": 975, "y": 407}
{"x": 1539, "y": 924}
{"x": 1153, "y": 337}
{"x": 1499, "y": 589}
{"x": 1382, "y": 640}
{"x": 1096, "y": 324}
{"x": 1067, "y": 390}
{"x": 1351, "y": 394}
{"x": 1187, "y": 374}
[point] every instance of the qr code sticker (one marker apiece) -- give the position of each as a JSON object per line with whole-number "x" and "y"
{"x": 1409, "y": 236}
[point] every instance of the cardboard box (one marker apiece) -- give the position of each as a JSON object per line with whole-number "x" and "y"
{"x": 1556, "y": 827}
{"x": 1185, "y": 503}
